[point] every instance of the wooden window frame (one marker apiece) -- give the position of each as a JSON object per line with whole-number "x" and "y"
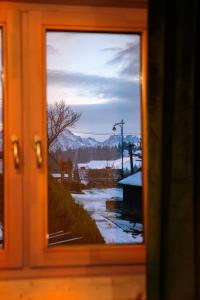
{"x": 11, "y": 253}
{"x": 32, "y": 21}
{"x": 77, "y": 19}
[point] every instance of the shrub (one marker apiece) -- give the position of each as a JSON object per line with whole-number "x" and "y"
{"x": 67, "y": 215}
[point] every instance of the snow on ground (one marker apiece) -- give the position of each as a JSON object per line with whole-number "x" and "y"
{"x": 134, "y": 179}
{"x": 115, "y": 164}
{"x": 58, "y": 175}
{"x": 113, "y": 227}
{"x": 95, "y": 199}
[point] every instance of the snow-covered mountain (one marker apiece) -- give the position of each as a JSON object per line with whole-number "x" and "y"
{"x": 68, "y": 140}
{"x": 115, "y": 140}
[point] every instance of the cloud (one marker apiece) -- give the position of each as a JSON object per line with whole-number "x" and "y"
{"x": 92, "y": 85}
{"x": 128, "y": 59}
{"x": 111, "y": 49}
{"x": 122, "y": 54}
{"x": 102, "y": 117}
{"x": 51, "y": 50}
{"x": 131, "y": 68}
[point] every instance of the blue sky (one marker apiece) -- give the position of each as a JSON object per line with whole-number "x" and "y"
{"x": 98, "y": 75}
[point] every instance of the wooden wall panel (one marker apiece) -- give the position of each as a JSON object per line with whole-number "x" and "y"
{"x": 104, "y": 288}
{"x": 113, "y": 3}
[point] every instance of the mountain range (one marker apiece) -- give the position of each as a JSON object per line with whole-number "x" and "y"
{"x": 68, "y": 140}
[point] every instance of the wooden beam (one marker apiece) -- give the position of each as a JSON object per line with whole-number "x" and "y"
{"x": 112, "y": 3}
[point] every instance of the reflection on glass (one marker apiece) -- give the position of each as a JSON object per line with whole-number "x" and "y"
{"x": 1, "y": 145}
{"x": 94, "y": 138}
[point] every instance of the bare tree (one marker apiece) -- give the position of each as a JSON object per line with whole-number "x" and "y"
{"x": 60, "y": 116}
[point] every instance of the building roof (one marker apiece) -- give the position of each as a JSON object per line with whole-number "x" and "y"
{"x": 134, "y": 180}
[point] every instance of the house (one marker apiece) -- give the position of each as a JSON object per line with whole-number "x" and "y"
{"x": 132, "y": 195}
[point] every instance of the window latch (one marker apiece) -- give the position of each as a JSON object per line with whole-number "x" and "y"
{"x": 38, "y": 150}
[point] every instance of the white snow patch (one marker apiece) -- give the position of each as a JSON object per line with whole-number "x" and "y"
{"x": 114, "y": 164}
{"x": 95, "y": 199}
{"x": 113, "y": 234}
{"x": 134, "y": 180}
{"x": 113, "y": 228}
{"x": 58, "y": 175}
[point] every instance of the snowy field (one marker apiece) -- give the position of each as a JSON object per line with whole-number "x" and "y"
{"x": 113, "y": 228}
{"x": 114, "y": 164}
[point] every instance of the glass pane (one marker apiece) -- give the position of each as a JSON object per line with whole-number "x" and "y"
{"x": 94, "y": 138}
{"x": 1, "y": 146}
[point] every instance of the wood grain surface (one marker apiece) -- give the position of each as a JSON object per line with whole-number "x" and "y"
{"x": 105, "y": 288}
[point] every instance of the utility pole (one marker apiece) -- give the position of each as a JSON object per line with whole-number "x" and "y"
{"x": 130, "y": 151}
{"x": 121, "y": 124}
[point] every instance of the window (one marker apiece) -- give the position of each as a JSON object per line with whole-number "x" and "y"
{"x": 28, "y": 38}
{"x": 94, "y": 138}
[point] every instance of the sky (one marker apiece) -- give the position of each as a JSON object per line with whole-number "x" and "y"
{"x": 98, "y": 75}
